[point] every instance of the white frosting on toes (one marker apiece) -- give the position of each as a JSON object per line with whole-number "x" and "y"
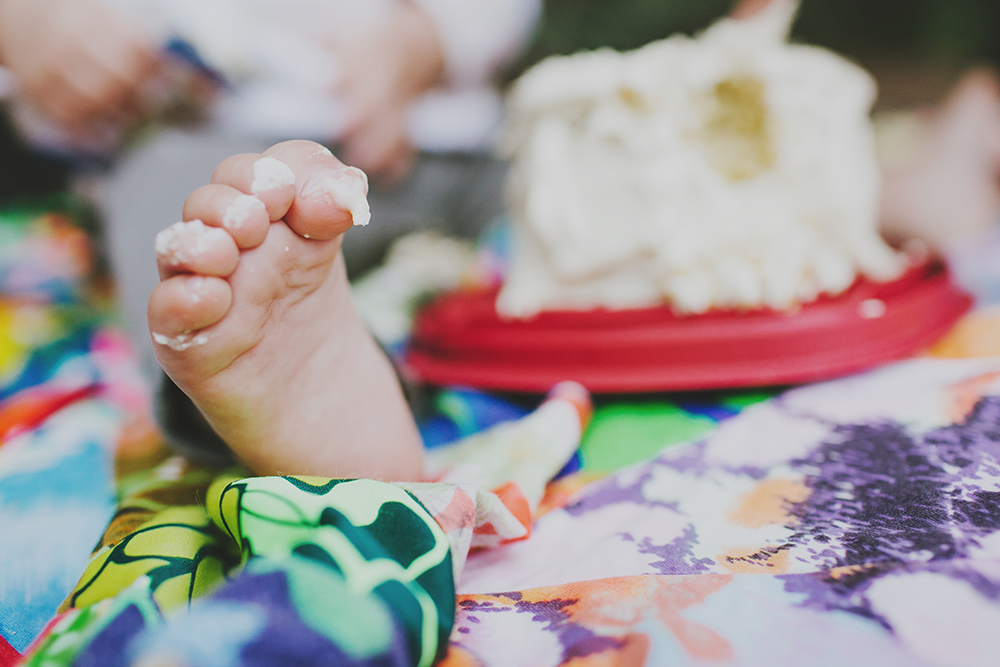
{"x": 269, "y": 173}
{"x": 240, "y": 209}
{"x": 183, "y": 242}
{"x": 730, "y": 170}
{"x": 346, "y": 188}
{"x": 180, "y": 342}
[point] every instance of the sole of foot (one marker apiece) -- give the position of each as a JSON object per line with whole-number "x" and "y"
{"x": 253, "y": 320}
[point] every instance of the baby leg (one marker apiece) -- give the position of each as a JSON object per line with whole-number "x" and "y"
{"x": 253, "y": 320}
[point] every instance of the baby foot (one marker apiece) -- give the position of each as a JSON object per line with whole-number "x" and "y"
{"x": 953, "y": 190}
{"x": 253, "y": 320}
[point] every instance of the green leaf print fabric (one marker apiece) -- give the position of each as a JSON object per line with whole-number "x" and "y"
{"x": 317, "y": 571}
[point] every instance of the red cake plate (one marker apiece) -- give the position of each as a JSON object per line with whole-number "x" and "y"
{"x": 460, "y": 340}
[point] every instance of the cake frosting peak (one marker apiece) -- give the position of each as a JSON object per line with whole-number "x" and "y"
{"x": 728, "y": 170}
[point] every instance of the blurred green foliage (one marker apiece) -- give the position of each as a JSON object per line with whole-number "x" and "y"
{"x": 572, "y": 25}
{"x": 950, "y": 32}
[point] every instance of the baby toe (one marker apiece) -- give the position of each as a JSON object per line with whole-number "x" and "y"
{"x": 265, "y": 177}
{"x": 181, "y": 306}
{"x": 330, "y": 197}
{"x": 194, "y": 247}
{"x": 244, "y": 216}
{"x": 331, "y": 201}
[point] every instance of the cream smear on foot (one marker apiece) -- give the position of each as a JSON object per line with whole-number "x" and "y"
{"x": 346, "y": 188}
{"x": 269, "y": 173}
{"x": 237, "y": 213}
{"x": 729, "y": 170}
{"x": 182, "y": 242}
{"x": 180, "y": 342}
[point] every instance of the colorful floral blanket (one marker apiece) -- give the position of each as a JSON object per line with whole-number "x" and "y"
{"x": 849, "y": 522}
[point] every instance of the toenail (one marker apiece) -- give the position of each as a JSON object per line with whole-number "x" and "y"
{"x": 269, "y": 173}
{"x": 346, "y": 188}
{"x": 322, "y": 150}
{"x": 240, "y": 209}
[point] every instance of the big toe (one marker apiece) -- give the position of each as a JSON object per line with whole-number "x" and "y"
{"x": 330, "y": 197}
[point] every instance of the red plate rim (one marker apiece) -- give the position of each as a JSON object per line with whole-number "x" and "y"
{"x": 460, "y": 340}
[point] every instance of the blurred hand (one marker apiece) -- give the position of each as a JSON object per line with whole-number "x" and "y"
{"x": 77, "y": 62}
{"x": 384, "y": 70}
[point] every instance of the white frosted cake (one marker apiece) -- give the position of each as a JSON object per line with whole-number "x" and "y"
{"x": 729, "y": 170}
